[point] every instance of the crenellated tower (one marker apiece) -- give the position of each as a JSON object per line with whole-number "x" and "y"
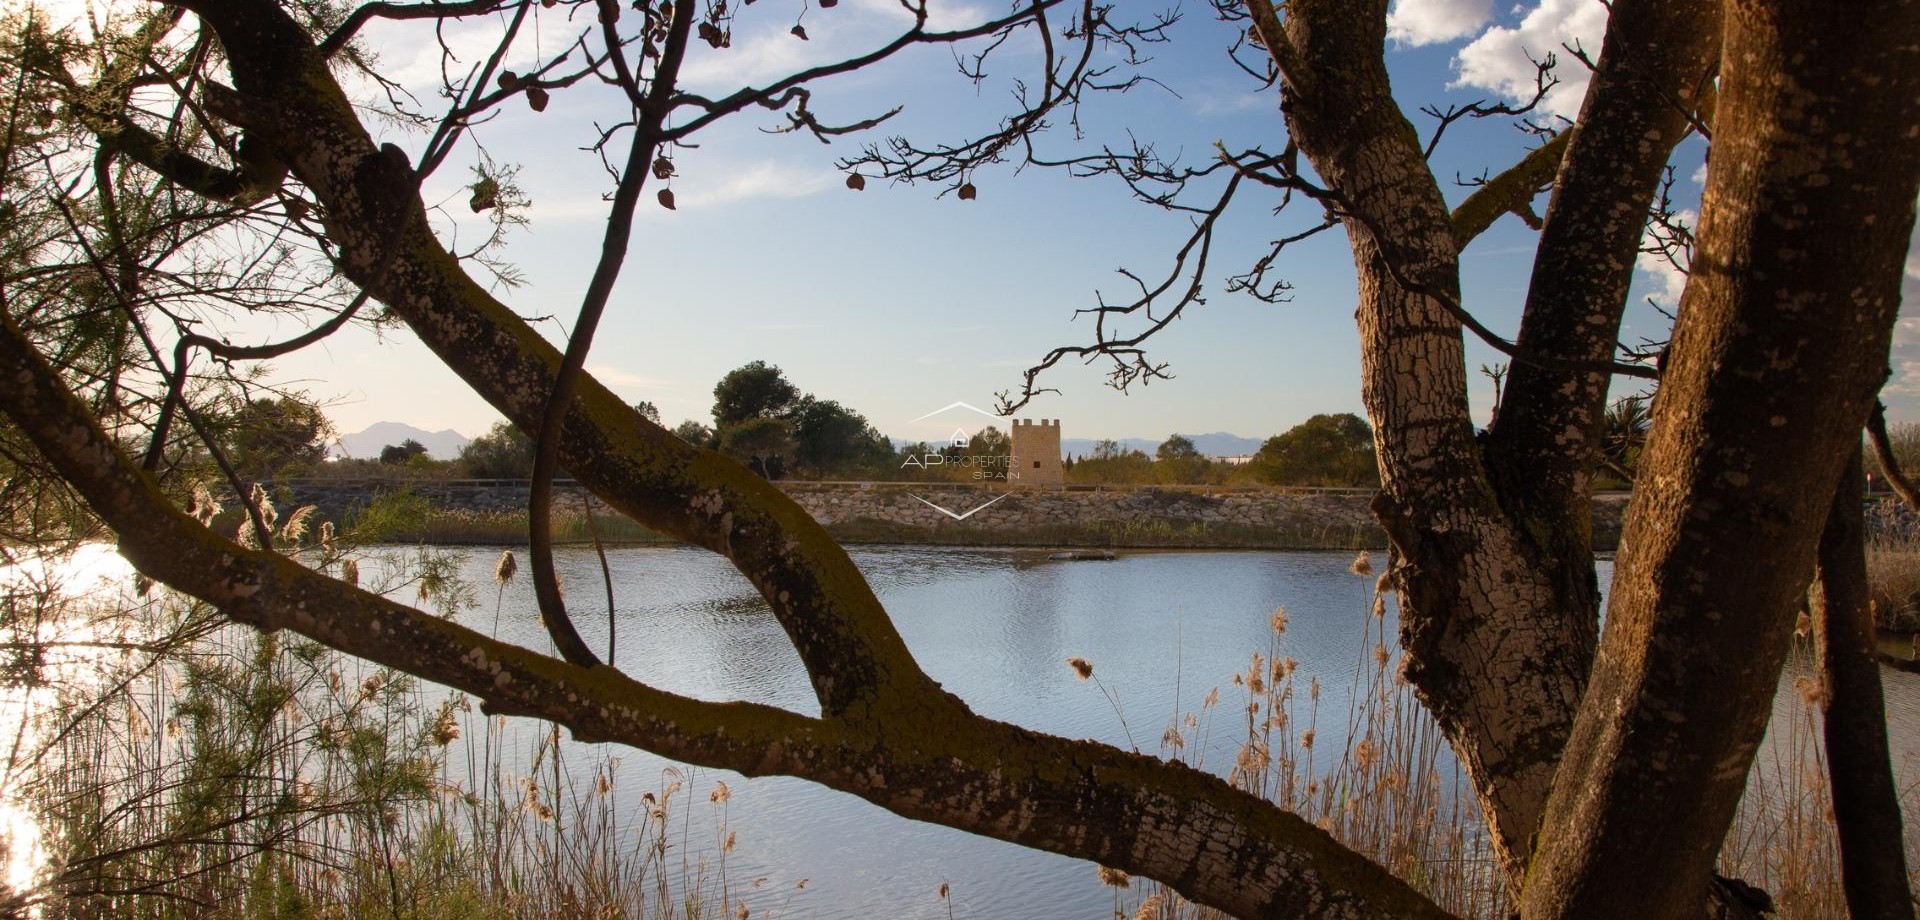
{"x": 1035, "y": 461}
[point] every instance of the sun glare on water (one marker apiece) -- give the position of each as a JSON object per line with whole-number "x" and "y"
{"x": 93, "y": 569}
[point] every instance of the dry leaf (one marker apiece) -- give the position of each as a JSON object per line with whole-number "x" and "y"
{"x": 856, "y": 182}
{"x": 508, "y": 79}
{"x": 966, "y": 192}
{"x": 801, "y": 32}
{"x": 537, "y": 98}
{"x": 666, "y": 198}
{"x": 662, "y": 167}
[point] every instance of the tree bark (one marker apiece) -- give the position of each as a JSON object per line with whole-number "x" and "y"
{"x": 1499, "y": 609}
{"x": 1866, "y": 803}
{"x": 1545, "y": 442}
{"x": 1780, "y": 346}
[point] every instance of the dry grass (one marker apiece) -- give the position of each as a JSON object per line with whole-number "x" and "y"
{"x": 405, "y": 516}
{"x": 1393, "y": 792}
{"x": 1893, "y": 568}
{"x": 179, "y": 768}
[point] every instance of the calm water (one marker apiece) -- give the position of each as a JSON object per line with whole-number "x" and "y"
{"x": 995, "y": 627}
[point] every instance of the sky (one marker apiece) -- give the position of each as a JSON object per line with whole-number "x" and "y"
{"x": 897, "y": 300}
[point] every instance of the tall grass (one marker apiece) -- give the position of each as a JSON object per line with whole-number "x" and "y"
{"x": 1392, "y": 791}
{"x": 405, "y": 516}
{"x": 181, "y": 768}
{"x": 1893, "y": 566}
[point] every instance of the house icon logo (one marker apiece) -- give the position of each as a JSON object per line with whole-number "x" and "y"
{"x": 957, "y": 443}
{"x": 1031, "y": 456}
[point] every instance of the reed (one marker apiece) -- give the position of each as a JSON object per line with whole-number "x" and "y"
{"x": 177, "y": 767}
{"x": 1393, "y": 791}
{"x": 405, "y": 516}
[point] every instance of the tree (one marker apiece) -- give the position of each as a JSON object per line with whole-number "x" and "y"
{"x": 1325, "y": 450}
{"x": 1574, "y": 742}
{"x": 504, "y": 452}
{"x": 1176, "y": 447}
{"x": 272, "y": 435}
{"x": 1112, "y": 461}
{"x": 648, "y": 411}
{"x": 402, "y": 453}
{"x": 1177, "y": 460}
{"x": 829, "y": 439}
{"x": 753, "y": 390}
{"x": 1622, "y": 434}
{"x": 1608, "y": 767}
{"x": 694, "y": 433}
{"x": 764, "y": 443}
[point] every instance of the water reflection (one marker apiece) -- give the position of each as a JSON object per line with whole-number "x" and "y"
{"x": 994, "y": 627}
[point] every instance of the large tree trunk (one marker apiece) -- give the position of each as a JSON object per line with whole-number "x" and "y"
{"x": 1499, "y": 610}
{"x": 1780, "y": 346}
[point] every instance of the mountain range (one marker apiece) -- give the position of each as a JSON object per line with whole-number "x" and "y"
{"x": 444, "y": 444}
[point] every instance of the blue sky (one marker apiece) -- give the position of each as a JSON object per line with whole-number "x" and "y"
{"x": 895, "y": 301}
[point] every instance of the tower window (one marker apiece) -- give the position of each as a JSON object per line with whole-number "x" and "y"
{"x": 1036, "y": 464}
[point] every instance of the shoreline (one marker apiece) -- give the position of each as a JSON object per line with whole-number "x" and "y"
{"x": 487, "y": 512}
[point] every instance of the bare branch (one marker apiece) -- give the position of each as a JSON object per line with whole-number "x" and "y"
{"x": 1883, "y": 453}
{"x": 385, "y": 10}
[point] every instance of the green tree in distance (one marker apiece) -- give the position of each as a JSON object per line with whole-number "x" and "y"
{"x": 830, "y": 439}
{"x": 760, "y": 441}
{"x": 694, "y": 433}
{"x": 504, "y": 452}
{"x": 753, "y": 390}
{"x": 1325, "y": 450}
{"x": 271, "y": 436}
{"x": 402, "y": 453}
{"x": 1177, "y": 460}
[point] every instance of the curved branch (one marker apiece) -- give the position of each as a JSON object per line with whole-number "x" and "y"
{"x": 1883, "y": 453}
{"x": 613, "y": 255}
{"x": 858, "y": 664}
{"x": 384, "y": 10}
{"x": 713, "y": 111}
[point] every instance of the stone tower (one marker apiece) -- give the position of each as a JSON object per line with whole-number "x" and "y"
{"x": 1035, "y": 461}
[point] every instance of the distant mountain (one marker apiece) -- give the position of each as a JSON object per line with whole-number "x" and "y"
{"x": 366, "y": 445}
{"x": 1216, "y": 444}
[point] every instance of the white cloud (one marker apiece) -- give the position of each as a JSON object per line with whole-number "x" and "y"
{"x": 753, "y": 60}
{"x": 766, "y": 179}
{"x": 1668, "y": 281}
{"x": 1498, "y": 61}
{"x": 942, "y": 15}
{"x": 615, "y": 377}
{"x": 1427, "y": 22}
{"x": 696, "y": 186}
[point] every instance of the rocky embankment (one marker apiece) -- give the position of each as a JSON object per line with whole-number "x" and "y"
{"x": 1168, "y": 516}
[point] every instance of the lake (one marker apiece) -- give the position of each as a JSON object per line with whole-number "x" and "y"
{"x": 995, "y": 627}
